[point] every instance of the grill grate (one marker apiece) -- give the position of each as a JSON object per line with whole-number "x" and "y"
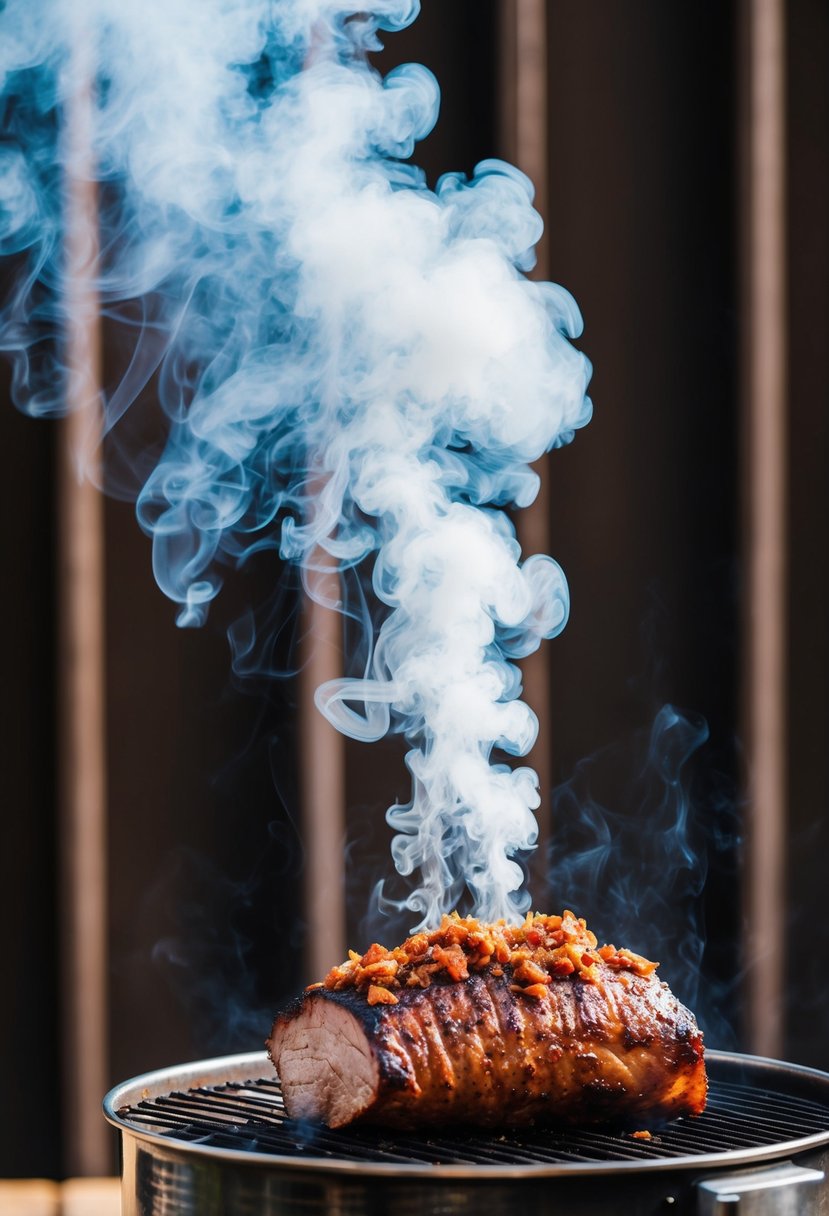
{"x": 249, "y": 1116}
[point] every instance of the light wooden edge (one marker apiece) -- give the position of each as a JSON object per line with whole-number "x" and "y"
{"x": 764, "y": 481}
{"x": 524, "y": 139}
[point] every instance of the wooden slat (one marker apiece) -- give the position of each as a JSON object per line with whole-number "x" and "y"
{"x": 76, "y": 1197}
{"x": 322, "y": 765}
{"x": 762, "y": 136}
{"x": 81, "y": 656}
{"x": 29, "y": 1197}
{"x": 322, "y": 777}
{"x": 523, "y": 102}
{"x": 321, "y": 747}
{"x": 91, "y": 1197}
{"x": 524, "y": 140}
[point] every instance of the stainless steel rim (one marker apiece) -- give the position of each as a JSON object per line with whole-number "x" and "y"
{"x": 250, "y": 1065}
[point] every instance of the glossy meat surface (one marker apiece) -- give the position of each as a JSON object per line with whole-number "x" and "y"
{"x": 617, "y": 1048}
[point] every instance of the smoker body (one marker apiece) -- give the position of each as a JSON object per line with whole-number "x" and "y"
{"x": 193, "y": 1139}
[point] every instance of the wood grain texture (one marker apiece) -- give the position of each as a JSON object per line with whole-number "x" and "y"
{"x": 524, "y": 139}
{"x": 82, "y": 714}
{"x": 29, "y": 1197}
{"x": 76, "y": 1197}
{"x": 765, "y": 497}
{"x": 91, "y": 1197}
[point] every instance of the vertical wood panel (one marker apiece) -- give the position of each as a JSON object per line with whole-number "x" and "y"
{"x": 524, "y": 139}
{"x": 322, "y": 762}
{"x": 81, "y": 651}
{"x": 762, "y": 133}
{"x": 322, "y": 783}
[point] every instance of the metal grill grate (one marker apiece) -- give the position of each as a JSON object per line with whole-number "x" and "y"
{"x": 249, "y": 1116}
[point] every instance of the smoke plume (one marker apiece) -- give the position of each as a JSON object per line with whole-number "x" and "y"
{"x": 317, "y": 322}
{"x": 640, "y": 829}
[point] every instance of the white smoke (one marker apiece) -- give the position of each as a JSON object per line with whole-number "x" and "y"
{"x": 325, "y": 319}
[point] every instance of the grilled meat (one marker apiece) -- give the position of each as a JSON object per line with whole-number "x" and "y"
{"x": 490, "y": 1025}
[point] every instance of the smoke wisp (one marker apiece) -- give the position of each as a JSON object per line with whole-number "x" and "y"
{"x": 318, "y": 323}
{"x": 637, "y": 828}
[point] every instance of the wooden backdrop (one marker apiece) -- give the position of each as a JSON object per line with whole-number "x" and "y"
{"x": 669, "y": 196}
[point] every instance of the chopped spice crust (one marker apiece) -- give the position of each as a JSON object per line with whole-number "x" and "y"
{"x": 537, "y": 952}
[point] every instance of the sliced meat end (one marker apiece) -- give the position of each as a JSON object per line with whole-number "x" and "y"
{"x": 325, "y": 1063}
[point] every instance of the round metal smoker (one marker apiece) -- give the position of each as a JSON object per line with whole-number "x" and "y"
{"x": 212, "y": 1139}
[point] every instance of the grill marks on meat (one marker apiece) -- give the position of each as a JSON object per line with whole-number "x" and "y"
{"x": 476, "y": 1051}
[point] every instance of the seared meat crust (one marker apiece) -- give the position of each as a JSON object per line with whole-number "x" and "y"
{"x": 618, "y": 1048}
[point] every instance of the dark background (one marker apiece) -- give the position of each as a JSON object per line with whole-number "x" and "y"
{"x": 205, "y": 838}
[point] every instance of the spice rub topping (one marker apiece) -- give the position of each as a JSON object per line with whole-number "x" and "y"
{"x": 533, "y": 955}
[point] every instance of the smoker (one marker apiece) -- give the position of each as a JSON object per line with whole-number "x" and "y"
{"x": 212, "y": 1139}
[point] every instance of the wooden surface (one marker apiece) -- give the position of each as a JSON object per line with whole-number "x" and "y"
{"x": 764, "y": 473}
{"x": 76, "y": 1197}
{"x": 524, "y": 139}
{"x": 82, "y": 716}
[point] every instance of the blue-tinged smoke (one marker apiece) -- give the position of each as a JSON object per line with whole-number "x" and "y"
{"x": 320, "y": 326}
{"x": 635, "y": 830}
